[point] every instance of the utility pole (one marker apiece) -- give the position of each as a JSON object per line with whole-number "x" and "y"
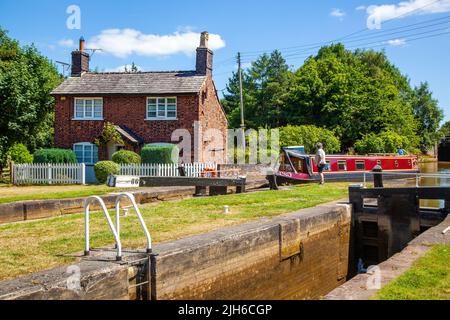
{"x": 241, "y": 100}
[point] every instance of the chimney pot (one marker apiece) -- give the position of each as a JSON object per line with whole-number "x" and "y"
{"x": 204, "y": 39}
{"x": 81, "y": 47}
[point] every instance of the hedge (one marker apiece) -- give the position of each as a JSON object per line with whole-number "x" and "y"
{"x": 55, "y": 156}
{"x": 20, "y": 154}
{"x": 160, "y": 154}
{"x": 103, "y": 169}
{"x": 126, "y": 157}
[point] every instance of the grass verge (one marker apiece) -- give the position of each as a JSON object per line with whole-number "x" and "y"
{"x": 427, "y": 279}
{"x": 27, "y": 247}
{"x": 13, "y": 193}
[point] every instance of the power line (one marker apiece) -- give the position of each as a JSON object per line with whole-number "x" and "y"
{"x": 249, "y": 53}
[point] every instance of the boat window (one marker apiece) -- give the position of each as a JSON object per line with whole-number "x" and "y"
{"x": 328, "y": 166}
{"x": 342, "y": 165}
{"x": 360, "y": 165}
{"x": 379, "y": 162}
{"x": 285, "y": 165}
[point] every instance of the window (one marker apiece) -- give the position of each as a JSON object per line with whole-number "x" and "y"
{"x": 161, "y": 108}
{"x": 89, "y": 108}
{"x": 342, "y": 165}
{"x": 360, "y": 165}
{"x": 328, "y": 165}
{"x": 86, "y": 152}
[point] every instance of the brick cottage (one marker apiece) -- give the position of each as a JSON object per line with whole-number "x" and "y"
{"x": 145, "y": 107}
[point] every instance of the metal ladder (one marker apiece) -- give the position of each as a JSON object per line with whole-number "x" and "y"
{"x": 115, "y": 230}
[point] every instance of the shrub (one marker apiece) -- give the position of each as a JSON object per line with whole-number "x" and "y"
{"x": 126, "y": 157}
{"x": 55, "y": 156}
{"x": 308, "y": 136}
{"x": 103, "y": 169}
{"x": 20, "y": 154}
{"x": 160, "y": 154}
{"x": 384, "y": 142}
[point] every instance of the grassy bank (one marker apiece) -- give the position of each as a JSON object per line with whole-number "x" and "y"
{"x": 31, "y": 246}
{"x": 13, "y": 193}
{"x": 427, "y": 279}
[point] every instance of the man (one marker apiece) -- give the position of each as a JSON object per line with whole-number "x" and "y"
{"x": 320, "y": 161}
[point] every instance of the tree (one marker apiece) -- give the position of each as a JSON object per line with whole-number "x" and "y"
{"x": 265, "y": 87}
{"x": 445, "y": 130}
{"x": 308, "y": 136}
{"x": 26, "y": 80}
{"x": 428, "y": 114}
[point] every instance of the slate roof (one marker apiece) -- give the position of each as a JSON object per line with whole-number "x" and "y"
{"x": 105, "y": 83}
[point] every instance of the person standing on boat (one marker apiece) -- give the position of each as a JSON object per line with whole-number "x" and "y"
{"x": 320, "y": 161}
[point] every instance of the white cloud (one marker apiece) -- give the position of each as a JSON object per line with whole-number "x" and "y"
{"x": 335, "y": 12}
{"x": 377, "y": 14}
{"x": 126, "y": 67}
{"x": 396, "y": 42}
{"x": 124, "y": 42}
{"x": 66, "y": 43}
{"x": 360, "y": 8}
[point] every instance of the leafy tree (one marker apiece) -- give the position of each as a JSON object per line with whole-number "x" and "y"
{"x": 20, "y": 154}
{"x": 384, "y": 142}
{"x": 265, "y": 86}
{"x": 308, "y": 136}
{"x": 429, "y": 116}
{"x": 445, "y": 129}
{"x": 26, "y": 80}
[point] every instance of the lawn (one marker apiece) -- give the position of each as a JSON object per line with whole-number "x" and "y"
{"x": 427, "y": 279}
{"x": 14, "y": 193}
{"x": 37, "y": 245}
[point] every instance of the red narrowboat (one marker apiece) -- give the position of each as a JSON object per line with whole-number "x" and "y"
{"x": 295, "y": 166}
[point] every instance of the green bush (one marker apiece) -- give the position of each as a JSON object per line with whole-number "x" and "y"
{"x": 126, "y": 157}
{"x": 20, "y": 154}
{"x": 384, "y": 142}
{"x": 55, "y": 156}
{"x": 160, "y": 154}
{"x": 308, "y": 136}
{"x": 103, "y": 169}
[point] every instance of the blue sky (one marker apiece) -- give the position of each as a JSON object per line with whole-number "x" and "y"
{"x": 162, "y": 35}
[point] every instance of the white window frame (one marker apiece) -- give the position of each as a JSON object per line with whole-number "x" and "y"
{"x": 165, "y": 117}
{"x": 83, "y": 145}
{"x": 93, "y": 117}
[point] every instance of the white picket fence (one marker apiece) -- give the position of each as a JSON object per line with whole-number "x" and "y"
{"x": 44, "y": 173}
{"x": 164, "y": 170}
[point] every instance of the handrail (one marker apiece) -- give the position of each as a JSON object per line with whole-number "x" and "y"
{"x": 138, "y": 213}
{"x": 417, "y": 175}
{"x": 115, "y": 233}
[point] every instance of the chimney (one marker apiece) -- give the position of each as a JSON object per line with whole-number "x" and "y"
{"x": 80, "y": 60}
{"x": 204, "y": 63}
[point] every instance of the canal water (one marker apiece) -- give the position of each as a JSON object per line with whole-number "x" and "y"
{"x": 433, "y": 167}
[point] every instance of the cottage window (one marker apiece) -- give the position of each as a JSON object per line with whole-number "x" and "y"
{"x": 89, "y": 108}
{"x": 161, "y": 108}
{"x": 86, "y": 152}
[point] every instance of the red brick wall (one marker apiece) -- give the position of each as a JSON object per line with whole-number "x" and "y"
{"x": 122, "y": 110}
{"x": 212, "y": 116}
{"x": 130, "y": 111}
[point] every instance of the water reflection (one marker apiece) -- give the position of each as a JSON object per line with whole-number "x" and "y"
{"x": 434, "y": 167}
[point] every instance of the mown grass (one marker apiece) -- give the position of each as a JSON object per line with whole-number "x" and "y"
{"x": 427, "y": 279}
{"x": 37, "y": 245}
{"x": 14, "y": 193}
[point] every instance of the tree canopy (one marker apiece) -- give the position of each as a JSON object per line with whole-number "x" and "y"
{"x": 26, "y": 80}
{"x": 351, "y": 93}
